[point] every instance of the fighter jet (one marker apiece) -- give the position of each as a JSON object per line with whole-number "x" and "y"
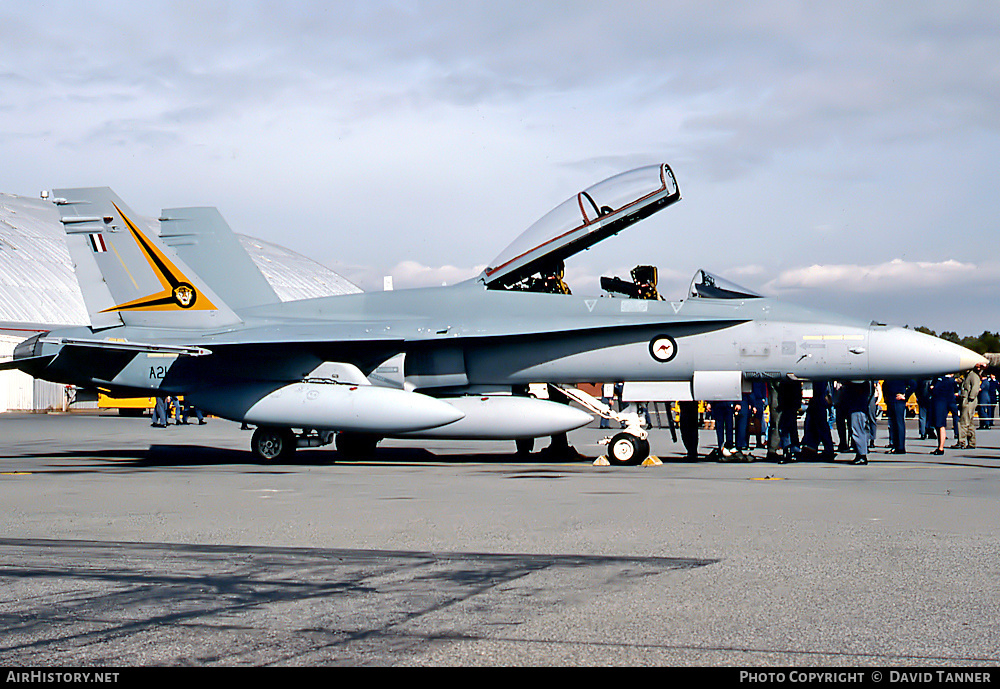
{"x": 447, "y": 362}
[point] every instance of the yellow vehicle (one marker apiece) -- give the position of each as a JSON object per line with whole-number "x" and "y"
{"x": 126, "y": 406}
{"x": 131, "y": 406}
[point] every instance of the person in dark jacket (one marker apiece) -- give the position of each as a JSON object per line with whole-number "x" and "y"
{"x": 745, "y": 411}
{"x": 856, "y": 397}
{"x": 689, "y": 428}
{"x": 817, "y": 424}
{"x": 923, "y": 392}
{"x": 943, "y": 391}
{"x": 789, "y": 403}
{"x": 896, "y": 392}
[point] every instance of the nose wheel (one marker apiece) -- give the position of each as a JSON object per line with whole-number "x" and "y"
{"x": 626, "y": 449}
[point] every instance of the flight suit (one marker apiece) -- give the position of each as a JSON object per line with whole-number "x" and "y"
{"x": 967, "y": 398}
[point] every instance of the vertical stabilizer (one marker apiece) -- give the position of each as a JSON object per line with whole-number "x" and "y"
{"x": 127, "y": 275}
{"x": 204, "y": 240}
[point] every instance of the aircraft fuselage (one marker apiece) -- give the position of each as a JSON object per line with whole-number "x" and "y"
{"x": 460, "y": 336}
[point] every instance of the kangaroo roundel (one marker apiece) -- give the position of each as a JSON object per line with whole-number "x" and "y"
{"x": 663, "y": 348}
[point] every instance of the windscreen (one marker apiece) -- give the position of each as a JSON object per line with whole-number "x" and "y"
{"x": 705, "y": 285}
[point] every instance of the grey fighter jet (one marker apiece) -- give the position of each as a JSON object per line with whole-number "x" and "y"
{"x": 448, "y": 362}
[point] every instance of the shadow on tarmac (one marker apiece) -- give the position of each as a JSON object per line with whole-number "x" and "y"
{"x": 175, "y": 455}
{"x": 154, "y": 603}
{"x": 165, "y": 456}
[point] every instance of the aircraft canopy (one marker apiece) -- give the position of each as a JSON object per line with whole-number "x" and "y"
{"x": 705, "y": 285}
{"x": 581, "y": 221}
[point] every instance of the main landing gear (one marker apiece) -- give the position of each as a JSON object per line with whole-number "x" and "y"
{"x": 272, "y": 445}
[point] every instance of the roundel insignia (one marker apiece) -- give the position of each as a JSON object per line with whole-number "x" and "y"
{"x": 663, "y": 348}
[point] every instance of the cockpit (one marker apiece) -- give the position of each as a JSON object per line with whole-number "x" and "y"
{"x": 534, "y": 262}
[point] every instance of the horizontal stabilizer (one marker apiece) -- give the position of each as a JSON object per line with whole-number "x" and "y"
{"x": 26, "y": 363}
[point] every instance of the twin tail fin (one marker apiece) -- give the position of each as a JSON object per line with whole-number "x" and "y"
{"x": 126, "y": 273}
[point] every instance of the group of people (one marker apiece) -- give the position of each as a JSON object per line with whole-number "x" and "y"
{"x": 976, "y": 392}
{"x": 182, "y": 412}
{"x": 850, "y": 406}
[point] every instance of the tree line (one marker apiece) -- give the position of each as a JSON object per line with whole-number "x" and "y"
{"x": 981, "y": 344}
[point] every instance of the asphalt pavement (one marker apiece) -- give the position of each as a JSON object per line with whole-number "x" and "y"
{"x": 126, "y": 545}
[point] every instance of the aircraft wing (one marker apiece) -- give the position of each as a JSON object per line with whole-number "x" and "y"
{"x": 124, "y": 345}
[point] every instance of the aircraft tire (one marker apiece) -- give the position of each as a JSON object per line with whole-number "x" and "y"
{"x": 356, "y": 445}
{"x": 626, "y": 449}
{"x": 272, "y": 444}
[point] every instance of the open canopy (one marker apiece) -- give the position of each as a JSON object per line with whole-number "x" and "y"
{"x": 581, "y": 221}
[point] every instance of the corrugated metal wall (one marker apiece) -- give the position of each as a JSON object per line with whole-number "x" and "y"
{"x": 21, "y": 392}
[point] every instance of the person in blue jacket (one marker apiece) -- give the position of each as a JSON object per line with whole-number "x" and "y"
{"x": 987, "y": 398}
{"x": 994, "y": 395}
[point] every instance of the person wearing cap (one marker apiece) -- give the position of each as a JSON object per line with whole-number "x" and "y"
{"x": 967, "y": 399}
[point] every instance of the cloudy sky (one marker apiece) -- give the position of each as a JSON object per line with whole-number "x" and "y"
{"x": 836, "y": 154}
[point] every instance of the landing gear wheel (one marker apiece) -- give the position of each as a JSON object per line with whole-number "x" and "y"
{"x": 524, "y": 446}
{"x": 357, "y": 445}
{"x": 627, "y": 450}
{"x": 273, "y": 444}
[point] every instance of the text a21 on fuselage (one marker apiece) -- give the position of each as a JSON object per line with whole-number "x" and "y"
{"x": 448, "y": 362}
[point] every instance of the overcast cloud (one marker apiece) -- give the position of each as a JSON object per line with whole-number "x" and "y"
{"x": 838, "y": 154}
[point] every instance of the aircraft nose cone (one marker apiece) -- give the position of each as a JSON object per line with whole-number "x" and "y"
{"x": 899, "y": 352}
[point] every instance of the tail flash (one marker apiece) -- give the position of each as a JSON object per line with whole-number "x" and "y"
{"x": 125, "y": 272}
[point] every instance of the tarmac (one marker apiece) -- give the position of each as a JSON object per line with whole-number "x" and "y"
{"x": 125, "y": 546}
